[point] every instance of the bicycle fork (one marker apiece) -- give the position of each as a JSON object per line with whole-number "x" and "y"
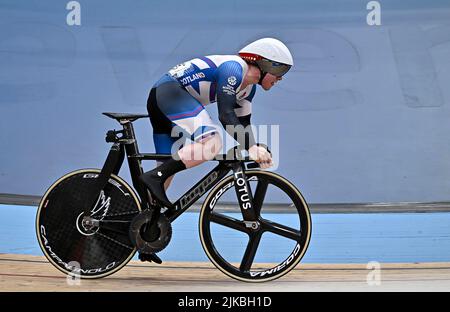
{"x": 245, "y": 197}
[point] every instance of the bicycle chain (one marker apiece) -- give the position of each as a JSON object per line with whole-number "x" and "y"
{"x": 115, "y": 241}
{"x": 122, "y": 214}
{"x": 115, "y": 215}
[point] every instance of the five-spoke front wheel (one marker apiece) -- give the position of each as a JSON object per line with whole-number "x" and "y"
{"x": 262, "y": 249}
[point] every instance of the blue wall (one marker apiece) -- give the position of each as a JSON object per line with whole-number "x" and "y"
{"x": 364, "y": 114}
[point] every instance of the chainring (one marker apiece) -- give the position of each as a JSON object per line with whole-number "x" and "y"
{"x": 157, "y": 243}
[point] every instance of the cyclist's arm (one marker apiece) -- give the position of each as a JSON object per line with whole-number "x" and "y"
{"x": 229, "y": 79}
{"x": 243, "y": 110}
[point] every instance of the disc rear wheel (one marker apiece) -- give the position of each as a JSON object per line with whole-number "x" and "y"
{"x": 79, "y": 248}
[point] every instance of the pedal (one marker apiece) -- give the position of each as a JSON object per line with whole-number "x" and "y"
{"x": 150, "y": 258}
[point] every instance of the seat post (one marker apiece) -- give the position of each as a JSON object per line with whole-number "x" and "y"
{"x": 134, "y": 163}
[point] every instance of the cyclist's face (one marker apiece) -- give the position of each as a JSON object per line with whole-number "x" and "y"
{"x": 269, "y": 81}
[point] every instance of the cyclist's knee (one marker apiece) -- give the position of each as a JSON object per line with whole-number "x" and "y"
{"x": 204, "y": 148}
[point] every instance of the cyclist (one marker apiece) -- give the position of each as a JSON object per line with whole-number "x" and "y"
{"x": 178, "y": 99}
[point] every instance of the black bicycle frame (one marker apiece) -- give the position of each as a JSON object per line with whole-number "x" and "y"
{"x": 210, "y": 180}
{"x": 127, "y": 145}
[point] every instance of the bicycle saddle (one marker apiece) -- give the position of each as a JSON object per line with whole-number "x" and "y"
{"x": 125, "y": 116}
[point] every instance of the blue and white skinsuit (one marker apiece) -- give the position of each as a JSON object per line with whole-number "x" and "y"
{"x": 179, "y": 97}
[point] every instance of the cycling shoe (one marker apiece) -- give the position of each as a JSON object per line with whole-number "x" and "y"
{"x": 156, "y": 187}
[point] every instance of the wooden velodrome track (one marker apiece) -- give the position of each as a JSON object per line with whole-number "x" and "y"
{"x": 34, "y": 273}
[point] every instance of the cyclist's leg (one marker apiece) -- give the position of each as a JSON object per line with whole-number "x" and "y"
{"x": 163, "y": 145}
{"x": 191, "y": 120}
{"x": 162, "y": 129}
{"x": 206, "y": 147}
{"x": 184, "y": 111}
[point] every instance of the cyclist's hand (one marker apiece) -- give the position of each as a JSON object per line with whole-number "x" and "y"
{"x": 261, "y": 156}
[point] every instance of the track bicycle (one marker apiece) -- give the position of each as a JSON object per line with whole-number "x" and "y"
{"x": 91, "y": 222}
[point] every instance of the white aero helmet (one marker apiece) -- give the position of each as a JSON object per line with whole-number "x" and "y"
{"x": 269, "y": 54}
